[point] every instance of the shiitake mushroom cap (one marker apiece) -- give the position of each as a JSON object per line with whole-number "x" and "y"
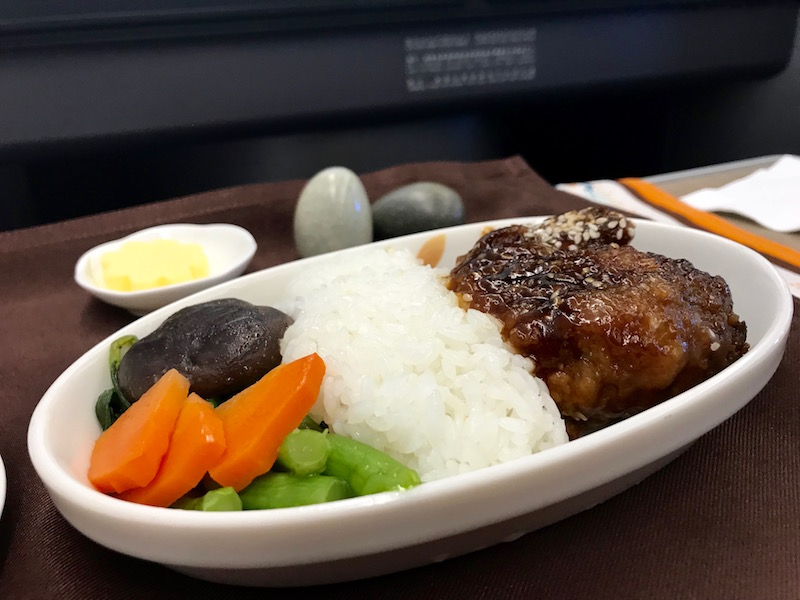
{"x": 221, "y": 346}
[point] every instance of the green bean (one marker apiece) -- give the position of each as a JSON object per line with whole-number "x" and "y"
{"x": 366, "y": 469}
{"x": 304, "y": 452}
{"x": 283, "y": 490}
{"x": 221, "y": 499}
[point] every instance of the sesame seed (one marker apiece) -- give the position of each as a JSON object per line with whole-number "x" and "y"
{"x": 715, "y": 346}
{"x": 612, "y": 224}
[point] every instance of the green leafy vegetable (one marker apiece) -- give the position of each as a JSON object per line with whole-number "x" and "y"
{"x": 119, "y": 348}
{"x": 215, "y": 402}
{"x": 112, "y": 402}
{"x": 108, "y": 408}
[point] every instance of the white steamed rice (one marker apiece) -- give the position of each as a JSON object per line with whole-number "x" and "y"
{"x": 410, "y": 372}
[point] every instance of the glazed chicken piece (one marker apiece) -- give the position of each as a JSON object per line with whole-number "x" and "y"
{"x": 611, "y": 330}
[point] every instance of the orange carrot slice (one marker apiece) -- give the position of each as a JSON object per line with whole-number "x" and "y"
{"x": 196, "y": 444}
{"x": 258, "y": 418}
{"x": 128, "y": 454}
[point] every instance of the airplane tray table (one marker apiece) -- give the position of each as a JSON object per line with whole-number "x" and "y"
{"x": 720, "y": 521}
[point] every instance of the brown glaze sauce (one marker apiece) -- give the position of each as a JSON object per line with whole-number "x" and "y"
{"x": 432, "y": 250}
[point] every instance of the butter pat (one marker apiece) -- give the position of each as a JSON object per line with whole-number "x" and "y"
{"x": 143, "y": 265}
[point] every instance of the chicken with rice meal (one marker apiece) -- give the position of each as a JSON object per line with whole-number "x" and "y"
{"x": 376, "y": 372}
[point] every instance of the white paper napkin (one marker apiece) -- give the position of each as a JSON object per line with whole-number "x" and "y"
{"x": 769, "y": 196}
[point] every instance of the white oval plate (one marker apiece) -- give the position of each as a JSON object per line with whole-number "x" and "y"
{"x": 229, "y": 249}
{"x": 372, "y": 535}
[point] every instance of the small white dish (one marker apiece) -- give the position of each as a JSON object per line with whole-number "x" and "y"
{"x": 383, "y": 533}
{"x": 229, "y": 249}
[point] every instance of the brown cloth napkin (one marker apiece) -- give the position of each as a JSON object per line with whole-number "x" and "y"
{"x": 721, "y": 521}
